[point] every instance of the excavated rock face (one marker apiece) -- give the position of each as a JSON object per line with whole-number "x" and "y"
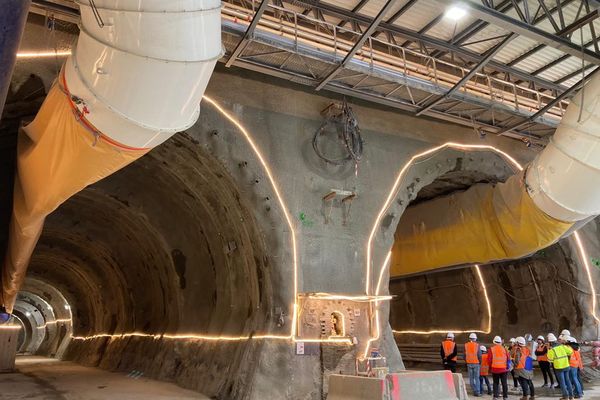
{"x": 163, "y": 246}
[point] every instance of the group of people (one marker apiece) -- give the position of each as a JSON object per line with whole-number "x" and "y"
{"x": 557, "y": 358}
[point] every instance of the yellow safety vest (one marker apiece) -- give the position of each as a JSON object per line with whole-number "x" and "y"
{"x": 559, "y": 356}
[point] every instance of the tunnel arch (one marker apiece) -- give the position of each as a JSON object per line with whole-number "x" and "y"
{"x": 165, "y": 246}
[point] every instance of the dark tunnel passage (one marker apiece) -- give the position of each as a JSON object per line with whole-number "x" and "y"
{"x": 165, "y": 246}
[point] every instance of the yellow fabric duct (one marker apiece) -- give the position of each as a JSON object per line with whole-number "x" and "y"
{"x": 482, "y": 224}
{"x": 59, "y": 154}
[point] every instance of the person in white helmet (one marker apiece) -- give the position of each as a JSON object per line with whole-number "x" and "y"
{"x": 524, "y": 368}
{"x": 553, "y": 342}
{"x": 499, "y": 359}
{"x": 484, "y": 372}
{"x": 575, "y": 366}
{"x": 559, "y": 356}
{"x": 541, "y": 353}
{"x": 449, "y": 353}
{"x": 473, "y": 361}
{"x": 512, "y": 348}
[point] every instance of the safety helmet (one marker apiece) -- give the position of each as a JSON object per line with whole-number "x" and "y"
{"x": 521, "y": 341}
{"x": 450, "y": 335}
{"x": 541, "y": 338}
{"x": 565, "y": 332}
{"x": 498, "y": 340}
{"x": 528, "y": 337}
{"x": 513, "y": 340}
{"x": 483, "y": 349}
{"x": 551, "y": 337}
{"x": 571, "y": 339}
{"x": 473, "y": 336}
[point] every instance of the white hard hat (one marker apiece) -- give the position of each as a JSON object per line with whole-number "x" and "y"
{"x": 498, "y": 339}
{"x": 483, "y": 349}
{"x": 521, "y": 341}
{"x": 513, "y": 340}
{"x": 551, "y": 337}
{"x": 565, "y": 332}
{"x": 528, "y": 337}
{"x": 563, "y": 337}
{"x": 541, "y": 338}
{"x": 473, "y": 336}
{"x": 450, "y": 335}
{"x": 571, "y": 339}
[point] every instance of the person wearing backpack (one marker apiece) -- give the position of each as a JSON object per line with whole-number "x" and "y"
{"x": 524, "y": 368}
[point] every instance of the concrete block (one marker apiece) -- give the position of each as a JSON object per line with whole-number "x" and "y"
{"x": 8, "y": 349}
{"x": 431, "y": 385}
{"x": 460, "y": 386}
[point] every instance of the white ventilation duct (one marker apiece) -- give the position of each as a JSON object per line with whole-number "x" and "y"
{"x": 142, "y": 75}
{"x": 135, "y": 78}
{"x": 558, "y": 192}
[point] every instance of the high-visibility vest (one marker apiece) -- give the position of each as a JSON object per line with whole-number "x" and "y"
{"x": 545, "y": 356}
{"x": 575, "y": 360}
{"x": 499, "y": 357}
{"x": 524, "y": 354}
{"x": 449, "y": 346}
{"x": 485, "y": 366}
{"x": 559, "y": 356}
{"x": 471, "y": 350}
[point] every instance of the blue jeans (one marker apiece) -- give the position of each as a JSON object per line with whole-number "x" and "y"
{"x": 564, "y": 381}
{"x": 574, "y": 375}
{"x": 474, "y": 377}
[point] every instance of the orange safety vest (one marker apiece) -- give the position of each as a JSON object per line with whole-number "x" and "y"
{"x": 524, "y": 354}
{"x": 449, "y": 346}
{"x": 471, "y": 349}
{"x": 485, "y": 366}
{"x": 545, "y": 356}
{"x": 500, "y": 357}
{"x": 575, "y": 360}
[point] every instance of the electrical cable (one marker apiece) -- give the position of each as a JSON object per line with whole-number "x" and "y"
{"x": 350, "y": 136}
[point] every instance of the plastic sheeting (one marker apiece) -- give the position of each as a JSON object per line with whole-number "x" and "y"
{"x": 482, "y": 224}
{"x": 59, "y": 154}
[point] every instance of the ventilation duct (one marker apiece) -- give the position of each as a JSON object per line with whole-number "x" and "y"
{"x": 135, "y": 78}
{"x": 529, "y": 212}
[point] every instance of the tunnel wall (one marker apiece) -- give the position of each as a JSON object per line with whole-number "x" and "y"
{"x": 191, "y": 238}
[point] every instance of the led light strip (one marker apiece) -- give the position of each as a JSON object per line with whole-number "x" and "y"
{"x": 43, "y": 54}
{"x": 10, "y": 327}
{"x": 56, "y": 321}
{"x": 588, "y": 269}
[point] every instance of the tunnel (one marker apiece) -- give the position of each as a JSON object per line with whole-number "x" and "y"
{"x": 292, "y": 200}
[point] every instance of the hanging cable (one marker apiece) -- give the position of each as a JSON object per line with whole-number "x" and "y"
{"x": 350, "y": 136}
{"x": 96, "y": 14}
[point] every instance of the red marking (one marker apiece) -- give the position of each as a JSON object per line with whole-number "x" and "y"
{"x": 88, "y": 124}
{"x": 449, "y": 381}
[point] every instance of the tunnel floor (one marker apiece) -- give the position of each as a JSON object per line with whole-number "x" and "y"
{"x": 40, "y": 378}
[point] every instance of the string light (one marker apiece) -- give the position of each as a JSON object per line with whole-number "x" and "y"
{"x": 56, "y": 321}
{"x": 43, "y": 54}
{"x": 10, "y": 327}
{"x": 584, "y": 258}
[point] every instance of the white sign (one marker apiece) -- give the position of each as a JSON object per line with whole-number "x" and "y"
{"x": 299, "y": 348}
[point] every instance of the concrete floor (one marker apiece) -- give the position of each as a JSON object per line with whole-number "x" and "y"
{"x": 39, "y": 378}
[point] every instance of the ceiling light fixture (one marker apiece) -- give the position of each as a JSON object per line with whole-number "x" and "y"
{"x": 455, "y": 13}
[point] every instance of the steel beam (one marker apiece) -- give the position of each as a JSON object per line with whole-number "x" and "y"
{"x": 551, "y": 104}
{"x": 249, "y": 32}
{"x": 510, "y": 24}
{"x": 358, "y": 45}
{"x": 491, "y": 54}
{"x": 430, "y": 41}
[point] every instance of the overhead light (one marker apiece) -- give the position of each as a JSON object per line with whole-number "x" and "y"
{"x": 43, "y": 54}
{"x": 67, "y": 307}
{"x": 28, "y": 314}
{"x": 455, "y": 13}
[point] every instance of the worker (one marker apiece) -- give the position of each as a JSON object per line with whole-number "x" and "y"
{"x": 575, "y": 366}
{"x": 449, "y": 353}
{"x": 484, "y": 371}
{"x": 524, "y": 368}
{"x": 473, "y": 360}
{"x": 553, "y": 342}
{"x": 498, "y": 358}
{"x": 541, "y": 353}
{"x": 559, "y": 357}
{"x": 512, "y": 348}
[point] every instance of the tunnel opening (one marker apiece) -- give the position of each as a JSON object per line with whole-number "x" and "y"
{"x": 167, "y": 247}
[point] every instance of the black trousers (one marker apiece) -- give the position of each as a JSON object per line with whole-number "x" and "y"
{"x": 450, "y": 366}
{"x": 527, "y": 386}
{"x": 500, "y": 378}
{"x": 515, "y": 380}
{"x": 547, "y": 372}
